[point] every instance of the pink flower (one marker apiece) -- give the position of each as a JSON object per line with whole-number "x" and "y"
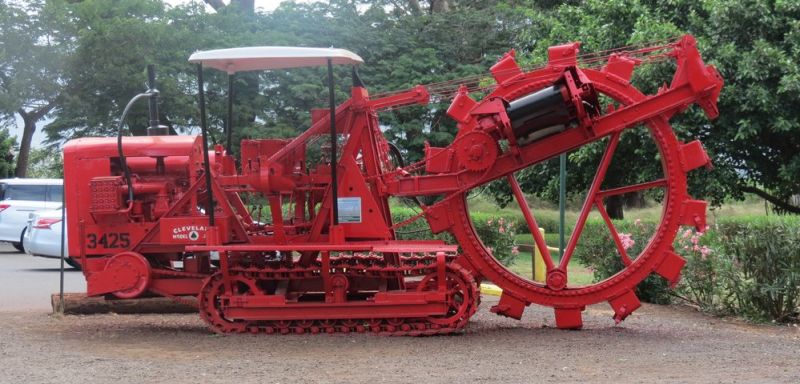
{"x": 501, "y": 229}
{"x": 515, "y": 250}
{"x": 687, "y": 233}
{"x": 695, "y": 239}
{"x": 704, "y": 252}
{"x": 489, "y": 222}
{"x": 627, "y": 240}
{"x": 501, "y": 221}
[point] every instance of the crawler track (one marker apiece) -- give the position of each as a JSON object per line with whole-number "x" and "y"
{"x": 462, "y": 297}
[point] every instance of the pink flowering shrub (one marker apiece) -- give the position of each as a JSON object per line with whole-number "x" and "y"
{"x": 598, "y": 251}
{"x": 700, "y": 282}
{"x": 761, "y": 267}
{"x": 627, "y": 240}
{"x": 497, "y": 233}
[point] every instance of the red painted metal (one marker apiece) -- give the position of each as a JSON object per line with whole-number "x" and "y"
{"x": 261, "y": 268}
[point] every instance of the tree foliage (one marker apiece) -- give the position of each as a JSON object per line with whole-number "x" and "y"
{"x": 88, "y": 58}
{"x": 33, "y": 48}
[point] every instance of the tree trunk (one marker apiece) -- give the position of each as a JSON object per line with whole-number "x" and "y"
{"x": 634, "y": 200}
{"x": 439, "y": 6}
{"x": 614, "y": 207}
{"x": 30, "y": 119}
{"x": 415, "y": 8}
{"x": 776, "y": 201}
{"x": 25, "y": 144}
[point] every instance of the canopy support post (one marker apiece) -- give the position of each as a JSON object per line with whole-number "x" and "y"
{"x": 204, "y": 131}
{"x": 334, "y": 163}
{"x": 229, "y": 119}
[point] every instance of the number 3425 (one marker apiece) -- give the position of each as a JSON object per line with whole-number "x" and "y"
{"x": 108, "y": 240}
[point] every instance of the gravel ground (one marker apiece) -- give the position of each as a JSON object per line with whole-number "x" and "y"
{"x": 656, "y": 344}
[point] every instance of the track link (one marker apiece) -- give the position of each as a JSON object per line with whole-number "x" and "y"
{"x": 352, "y": 266}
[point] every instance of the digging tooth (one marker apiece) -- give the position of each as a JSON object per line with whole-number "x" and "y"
{"x": 693, "y": 156}
{"x": 459, "y": 109}
{"x": 670, "y": 268}
{"x": 505, "y": 68}
{"x": 623, "y": 305}
{"x": 509, "y": 306}
{"x": 569, "y": 318}
{"x": 694, "y": 214}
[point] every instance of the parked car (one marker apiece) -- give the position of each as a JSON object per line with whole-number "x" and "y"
{"x": 43, "y": 236}
{"x": 21, "y": 197}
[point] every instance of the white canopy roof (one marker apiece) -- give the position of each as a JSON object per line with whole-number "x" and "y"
{"x": 233, "y": 60}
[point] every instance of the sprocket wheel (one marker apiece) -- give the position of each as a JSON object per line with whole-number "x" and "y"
{"x": 462, "y": 295}
{"x": 657, "y": 256}
{"x": 210, "y": 301}
{"x": 476, "y": 151}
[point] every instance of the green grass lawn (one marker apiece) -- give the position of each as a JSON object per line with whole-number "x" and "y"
{"x": 578, "y": 274}
{"x": 551, "y": 238}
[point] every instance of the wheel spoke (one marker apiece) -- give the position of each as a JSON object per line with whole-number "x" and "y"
{"x": 614, "y": 234}
{"x": 589, "y": 202}
{"x": 632, "y": 188}
{"x": 531, "y": 221}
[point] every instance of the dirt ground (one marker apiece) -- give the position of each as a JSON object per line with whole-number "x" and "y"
{"x": 656, "y": 344}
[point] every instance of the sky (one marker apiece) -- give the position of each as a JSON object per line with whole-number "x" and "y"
{"x": 265, "y": 5}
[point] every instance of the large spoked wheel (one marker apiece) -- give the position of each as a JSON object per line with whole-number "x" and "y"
{"x": 211, "y": 303}
{"x": 657, "y": 255}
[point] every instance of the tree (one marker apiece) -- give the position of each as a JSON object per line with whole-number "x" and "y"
{"x": 755, "y": 45}
{"x": 241, "y": 5}
{"x": 7, "y": 144}
{"x": 31, "y": 71}
{"x": 45, "y": 163}
{"x": 113, "y": 43}
{"x": 598, "y": 25}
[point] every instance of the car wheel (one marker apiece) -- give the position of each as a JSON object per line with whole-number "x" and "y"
{"x": 73, "y": 263}
{"x": 19, "y": 246}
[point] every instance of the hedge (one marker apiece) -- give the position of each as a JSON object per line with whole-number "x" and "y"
{"x": 495, "y": 230}
{"x": 744, "y": 266}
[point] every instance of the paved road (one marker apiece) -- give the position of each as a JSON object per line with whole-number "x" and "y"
{"x": 26, "y": 282}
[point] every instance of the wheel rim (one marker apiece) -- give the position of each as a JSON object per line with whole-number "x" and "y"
{"x": 619, "y": 285}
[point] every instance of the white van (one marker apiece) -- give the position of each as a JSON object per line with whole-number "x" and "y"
{"x": 21, "y": 197}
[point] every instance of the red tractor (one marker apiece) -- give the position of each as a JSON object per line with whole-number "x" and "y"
{"x": 168, "y": 216}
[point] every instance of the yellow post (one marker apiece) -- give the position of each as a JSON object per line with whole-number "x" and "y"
{"x": 537, "y": 264}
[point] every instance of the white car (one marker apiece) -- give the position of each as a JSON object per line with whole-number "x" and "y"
{"x": 43, "y": 236}
{"x": 21, "y": 197}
